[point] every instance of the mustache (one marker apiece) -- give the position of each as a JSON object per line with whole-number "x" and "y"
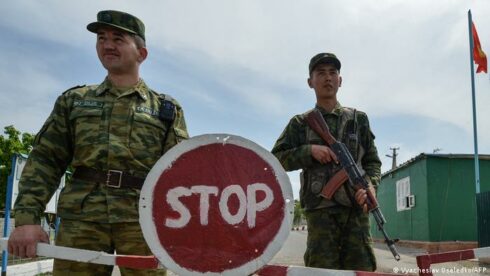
{"x": 110, "y": 52}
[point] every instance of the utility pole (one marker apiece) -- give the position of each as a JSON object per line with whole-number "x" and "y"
{"x": 393, "y": 157}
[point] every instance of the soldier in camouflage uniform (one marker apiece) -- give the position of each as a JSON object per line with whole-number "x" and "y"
{"x": 111, "y": 134}
{"x": 338, "y": 229}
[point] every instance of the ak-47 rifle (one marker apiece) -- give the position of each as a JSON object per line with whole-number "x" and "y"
{"x": 350, "y": 172}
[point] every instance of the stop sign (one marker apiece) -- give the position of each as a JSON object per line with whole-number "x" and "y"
{"x": 216, "y": 204}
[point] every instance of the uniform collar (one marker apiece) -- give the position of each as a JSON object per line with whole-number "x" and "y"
{"x": 337, "y": 110}
{"x": 140, "y": 88}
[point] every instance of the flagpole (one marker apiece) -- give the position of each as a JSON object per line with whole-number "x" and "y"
{"x": 475, "y": 136}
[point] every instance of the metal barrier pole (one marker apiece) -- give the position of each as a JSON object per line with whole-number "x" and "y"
{"x": 6, "y": 221}
{"x": 56, "y": 225}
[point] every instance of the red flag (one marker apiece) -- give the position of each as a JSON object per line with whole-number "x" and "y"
{"x": 478, "y": 54}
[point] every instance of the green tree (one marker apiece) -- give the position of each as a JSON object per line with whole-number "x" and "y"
{"x": 13, "y": 142}
{"x": 298, "y": 213}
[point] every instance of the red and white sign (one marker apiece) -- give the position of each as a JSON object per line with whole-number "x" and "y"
{"x": 425, "y": 261}
{"x": 216, "y": 204}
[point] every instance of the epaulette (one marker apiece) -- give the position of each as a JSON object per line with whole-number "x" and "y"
{"x": 74, "y": 87}
{"x": 301, "y": 117}
{"x": 166, "y": 97}
{"x": 307, "y": 112}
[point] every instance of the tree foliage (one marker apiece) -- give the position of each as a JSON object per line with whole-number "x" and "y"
{"x": 12, "y": 142}
{"x": 298, "y": 217}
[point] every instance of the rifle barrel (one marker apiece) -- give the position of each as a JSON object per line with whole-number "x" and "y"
{"x": 391, "y": 245}
{"x": 380, "y": 221}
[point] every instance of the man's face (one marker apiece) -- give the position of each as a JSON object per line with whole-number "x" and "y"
{"x": 325, "y": 80}
{"x": 117, "y": 51}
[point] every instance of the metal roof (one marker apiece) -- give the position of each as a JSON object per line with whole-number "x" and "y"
{"x": 436, "y": 155}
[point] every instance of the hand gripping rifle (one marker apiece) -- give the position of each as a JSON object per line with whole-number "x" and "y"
{"x": 350, "y": 172}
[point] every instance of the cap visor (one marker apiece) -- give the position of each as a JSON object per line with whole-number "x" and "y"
{"x": 94, "y": 27}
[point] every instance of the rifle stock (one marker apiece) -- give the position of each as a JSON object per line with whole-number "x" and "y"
{"x": 356, "y": 180}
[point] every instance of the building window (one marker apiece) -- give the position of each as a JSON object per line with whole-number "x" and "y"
{"x": 402, "y": 193}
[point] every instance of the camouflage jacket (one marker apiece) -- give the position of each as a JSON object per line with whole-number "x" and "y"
{"x": 103, "y": 128}
{"x": 293, "y": 151}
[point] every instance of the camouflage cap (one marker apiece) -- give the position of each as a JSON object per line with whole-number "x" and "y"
{"x": 324, "y": 58}
{"x": 119, "y": 20}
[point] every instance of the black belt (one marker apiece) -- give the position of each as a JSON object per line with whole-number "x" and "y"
{"x": 112, "y": 178}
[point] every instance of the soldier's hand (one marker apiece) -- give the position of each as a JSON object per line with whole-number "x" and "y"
{"x": 323, "y": 154}
{"x": 23, "y": 240}
{"x": 361, "y": 196}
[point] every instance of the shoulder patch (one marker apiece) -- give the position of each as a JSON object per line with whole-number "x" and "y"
{"x": 74, "y": 87}
{"x": 167, "y": 108}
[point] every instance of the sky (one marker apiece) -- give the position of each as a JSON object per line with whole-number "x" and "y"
{"x": 241, "y": 67}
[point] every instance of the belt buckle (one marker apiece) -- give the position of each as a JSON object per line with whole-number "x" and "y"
{"x": 108, "y": 181}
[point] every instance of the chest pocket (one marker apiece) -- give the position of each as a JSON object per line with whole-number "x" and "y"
{"x": 147, "y": 132}
{"x": 86, "y": 122}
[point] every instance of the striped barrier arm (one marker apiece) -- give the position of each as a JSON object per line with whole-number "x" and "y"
{"x": 282, "y": 270}
{"x": 425, "y": 261}
{"x": 149, "y": 262}
{"x": 89, "y": 256}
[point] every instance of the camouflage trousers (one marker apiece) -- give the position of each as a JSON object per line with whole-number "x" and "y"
{"x": 339, "y": 238}
{"x": 124, "y": 238}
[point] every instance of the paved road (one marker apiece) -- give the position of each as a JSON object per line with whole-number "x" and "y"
{"x": 292, "y": 254}
{"x": 292, "y": 251}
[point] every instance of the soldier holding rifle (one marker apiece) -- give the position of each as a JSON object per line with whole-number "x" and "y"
{"x": 338, "y": 228}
